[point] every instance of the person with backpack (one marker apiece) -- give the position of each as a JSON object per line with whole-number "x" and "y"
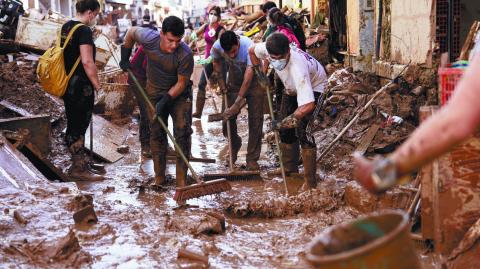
{"x": 211, "y": 32}
{"x": 169, "y": 68}
{"x": 305, "y": 81}
{"x": 79, "y": 55}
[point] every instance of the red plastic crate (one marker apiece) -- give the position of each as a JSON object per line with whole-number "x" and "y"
{"x": 448, "y": 79}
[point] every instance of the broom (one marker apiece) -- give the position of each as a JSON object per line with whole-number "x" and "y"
{"x": 199, "y": 189}
{"x": 233, "y": 175}
{"x": 263, "y": 80}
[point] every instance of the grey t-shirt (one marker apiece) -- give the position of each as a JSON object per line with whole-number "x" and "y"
{"x": 163, "y": 68}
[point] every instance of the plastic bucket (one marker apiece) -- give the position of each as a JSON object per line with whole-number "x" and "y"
{"x": 376, "y": 241}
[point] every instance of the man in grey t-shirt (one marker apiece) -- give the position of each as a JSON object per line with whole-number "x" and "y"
{"x": 169, "y": 67}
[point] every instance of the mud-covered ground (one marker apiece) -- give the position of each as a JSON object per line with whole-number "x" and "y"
{"x": 251, "y": 226}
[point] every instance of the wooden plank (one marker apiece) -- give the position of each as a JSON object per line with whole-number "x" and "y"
{"x": 107, "y": 137}
{"x": 192, "y": 159}
{"x": 469, "y": 42}
{"x": 366, "y": 140}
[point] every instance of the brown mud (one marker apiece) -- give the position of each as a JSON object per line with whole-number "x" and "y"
{"x": 254, "y": 225}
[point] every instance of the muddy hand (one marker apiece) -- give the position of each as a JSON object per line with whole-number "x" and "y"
{"x": 363, "y": 172}
{"x": 234, "y": 109}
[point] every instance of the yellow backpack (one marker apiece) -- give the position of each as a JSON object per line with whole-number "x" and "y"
{"x": 51, "y": 69}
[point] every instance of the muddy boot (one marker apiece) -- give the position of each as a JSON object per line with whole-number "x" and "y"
{"x": 253, "y": 166}
{"x": 79, "y": 170}
{"x": 236, "y": 145}
{"x": 290, "y": 156}
{"x": 159, "y": 165}
{"x": 181, "y": 176}
{"x": 309, "y": 168}
{"x": 199, "y": 104}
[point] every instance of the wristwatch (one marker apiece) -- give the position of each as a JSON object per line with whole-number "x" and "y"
{"x": 384, "y": 174}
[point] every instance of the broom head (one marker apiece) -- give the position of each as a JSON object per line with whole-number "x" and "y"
{"x": 182, "y": 194}
{"x": 235, "y": 175}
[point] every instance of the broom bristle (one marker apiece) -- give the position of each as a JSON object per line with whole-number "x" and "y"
{"x": 237, "y": 175}
{"x": 201, "y": 189}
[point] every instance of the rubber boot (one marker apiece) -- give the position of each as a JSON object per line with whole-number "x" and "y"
{"x": 159, "y": 165}
{"x": 79, "y": 171}
{"x": 309, "y": 168}
{"x": 199, "y": 104}
{"x": 253, "y": 166}
{"x": 290, "y": 156}
{"x": 181, "y": 174}
{"x": 236, "y": 146}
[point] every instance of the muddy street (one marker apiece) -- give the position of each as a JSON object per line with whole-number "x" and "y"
{"x": 140, "y": 227}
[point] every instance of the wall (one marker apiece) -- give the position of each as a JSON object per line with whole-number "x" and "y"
{"x": 412, "y": 31}
{"x": 353, "y": 27}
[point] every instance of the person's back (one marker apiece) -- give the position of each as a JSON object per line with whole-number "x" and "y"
{"x": 82, "y": 36}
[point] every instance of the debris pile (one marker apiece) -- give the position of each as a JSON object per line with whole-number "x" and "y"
{"x": 380, "y": 129}
{"x": 271, "y": 205}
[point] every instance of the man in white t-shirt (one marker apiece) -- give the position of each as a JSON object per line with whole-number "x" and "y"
{"x": 305, "y": 80}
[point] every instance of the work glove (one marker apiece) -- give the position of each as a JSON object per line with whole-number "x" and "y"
{"x": 193, "y": 36}
{"x": 274, "y": 126}
{"x": 125, "y": 58}
{"x": 235, "y": 108}
{"x": 163, "y": 104}
{"x": 205, "y": 61}
{"x": 288, "y": 123}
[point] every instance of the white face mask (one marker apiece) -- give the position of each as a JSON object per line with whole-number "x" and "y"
{"x": 278, "y": 65}
{"x": 212, "y": 18}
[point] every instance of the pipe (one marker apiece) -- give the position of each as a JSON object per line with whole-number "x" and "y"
{"x": 450, "y": 30}
{"x": 379, "y": 30}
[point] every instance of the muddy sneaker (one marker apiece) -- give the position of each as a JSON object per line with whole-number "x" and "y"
{"x": 253, "y": 166}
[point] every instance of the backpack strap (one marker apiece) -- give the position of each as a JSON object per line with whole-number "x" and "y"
{"x": 70, "y": 34}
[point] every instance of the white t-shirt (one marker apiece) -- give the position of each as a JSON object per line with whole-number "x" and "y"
{"x": 302, "y": 75}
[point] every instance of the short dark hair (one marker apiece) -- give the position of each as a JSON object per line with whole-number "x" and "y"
{"x": 83, "y": 5}
{"x": 267, "y": 6}
{"x": 277, "y": 44}
{"x": 228, "y": 40}
{"x": 217, "y": 9}
{"x": 174, "y": 25}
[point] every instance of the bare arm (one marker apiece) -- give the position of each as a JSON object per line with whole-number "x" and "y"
{"x": 179, "y": 87}
{"x": 130, "y": 41}
{"x": 454, "y": 123}
{"x": 304, "y": 110}
{"x": 201, "y": 30}
{"x": 217, "y": 68}
{"x": 247, "y": 80}
{"x": 253, "y": 57}
{"x": 86, "y": 56}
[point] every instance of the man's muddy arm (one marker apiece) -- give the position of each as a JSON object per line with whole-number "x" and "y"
{"x": 130, "y": 41}
{"x": 454, "y": 123}
{"x": 179, "y": 87}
